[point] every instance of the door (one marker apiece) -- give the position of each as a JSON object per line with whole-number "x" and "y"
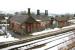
{"x": 29, "y": 28}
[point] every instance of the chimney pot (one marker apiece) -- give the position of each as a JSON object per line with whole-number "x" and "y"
{"x": 46, "y": 12}
{"x": 38, "y": 12}
{"x": 29, "y": 11}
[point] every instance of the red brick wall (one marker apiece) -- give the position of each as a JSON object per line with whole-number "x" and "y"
{"x": 14, "y": 26}
{"x": 62, "y": 23}
{"x": 30, "y": 27}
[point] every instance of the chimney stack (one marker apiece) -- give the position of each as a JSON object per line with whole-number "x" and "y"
{"x": 46, "y": 12}
{"x": 38, "y": 12}
{"x": 29, "y": 11}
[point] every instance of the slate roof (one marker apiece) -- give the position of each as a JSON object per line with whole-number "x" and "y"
{"x": 24, "y": 18}
{"x": 41, "y": 17}
{"x": 20, "y": 18}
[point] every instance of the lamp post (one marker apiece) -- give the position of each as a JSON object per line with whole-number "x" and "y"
{"x": 6, "y": 18}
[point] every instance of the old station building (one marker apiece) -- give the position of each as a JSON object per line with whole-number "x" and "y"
{"x": 30, "y": 23}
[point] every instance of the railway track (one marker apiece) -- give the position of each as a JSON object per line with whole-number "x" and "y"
{"x": 40, "y": 42}
{"x": 60, "y": 43}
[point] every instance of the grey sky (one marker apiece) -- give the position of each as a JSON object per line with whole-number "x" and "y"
{"x": 54, "y": 6}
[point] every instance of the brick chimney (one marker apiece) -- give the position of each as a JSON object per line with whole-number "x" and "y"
{"x": 46, "y": 12}
{"x": 29, "y": 11}
{"x": 38, "y": 12}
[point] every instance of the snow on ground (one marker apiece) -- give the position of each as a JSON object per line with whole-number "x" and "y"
{"x": 6, "y": 38}
{"x": 45, "y": 31}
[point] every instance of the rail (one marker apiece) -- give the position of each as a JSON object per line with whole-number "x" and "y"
{"x": 60, "y": 43}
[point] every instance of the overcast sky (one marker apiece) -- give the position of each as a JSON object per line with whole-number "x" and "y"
{"x": 54, "y": 6}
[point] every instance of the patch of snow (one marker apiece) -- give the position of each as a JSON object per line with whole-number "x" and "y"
{"x": 38, "y": 20}
{"x": 3, "y": 39}
{"x": 68, "y": 27}
{"x": 6, "y": 38}
{"x": 45, "y": 31}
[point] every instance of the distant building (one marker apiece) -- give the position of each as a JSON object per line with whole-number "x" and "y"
{"x": 62, "y": 21}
